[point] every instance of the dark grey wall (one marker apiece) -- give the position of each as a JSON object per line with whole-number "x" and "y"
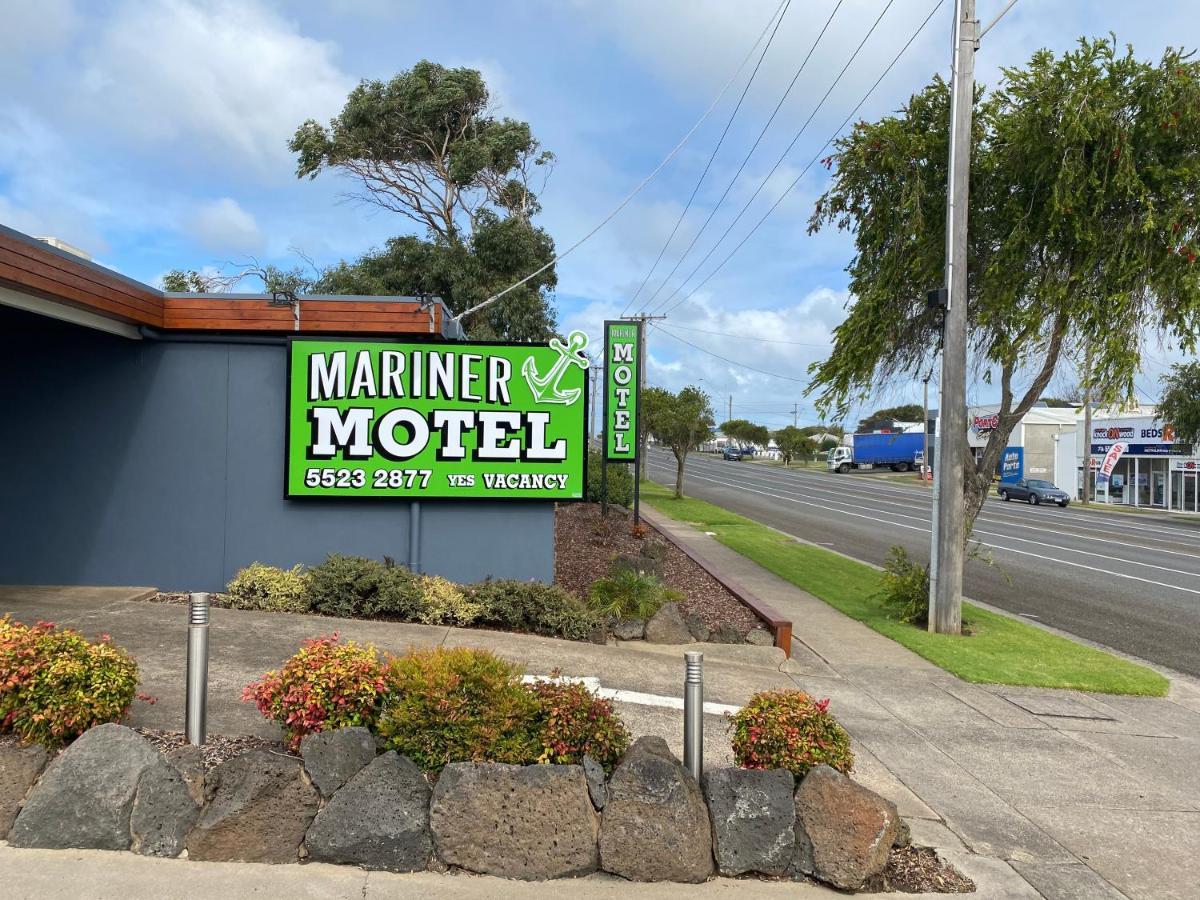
{"x": 141, "y": 462}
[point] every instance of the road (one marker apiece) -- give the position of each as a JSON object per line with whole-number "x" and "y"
{"x": 1130, "y": 582}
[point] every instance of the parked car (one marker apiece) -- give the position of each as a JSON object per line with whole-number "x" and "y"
{"x": 734, "y": 453}
{"x": 1033, "y": 491}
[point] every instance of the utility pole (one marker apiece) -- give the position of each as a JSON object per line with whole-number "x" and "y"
{"x": 795, "y": 414}
{"x": 729, "y": 418}
{"x": 948, "y": 548}
{"x": 639, "y": 466}
{"x": 925, "y": 430}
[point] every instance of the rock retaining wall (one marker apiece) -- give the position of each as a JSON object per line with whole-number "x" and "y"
{"x": 342, "y": 802}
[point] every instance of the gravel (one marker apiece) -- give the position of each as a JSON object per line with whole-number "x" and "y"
{"x": 217, "y": 749}
{"x": 585, "y": 545}
{"x": 917, "y": 870}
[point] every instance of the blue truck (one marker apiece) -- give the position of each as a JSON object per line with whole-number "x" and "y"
{"x": 898, "y": 451}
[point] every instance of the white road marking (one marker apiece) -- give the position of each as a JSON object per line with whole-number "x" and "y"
{"x": 635, "y": 697}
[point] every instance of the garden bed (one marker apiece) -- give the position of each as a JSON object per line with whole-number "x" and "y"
{"x": 585, "y": 544}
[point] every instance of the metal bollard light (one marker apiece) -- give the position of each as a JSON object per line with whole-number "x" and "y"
{"x": 693, "y": 713}
{"x": 196, "y": 707}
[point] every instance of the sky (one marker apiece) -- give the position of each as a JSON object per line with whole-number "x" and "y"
{"x": 153, "y": 135}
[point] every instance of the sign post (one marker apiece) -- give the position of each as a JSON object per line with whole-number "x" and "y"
{"x": 622, "y": 396}
{"x": 423, "y": 421}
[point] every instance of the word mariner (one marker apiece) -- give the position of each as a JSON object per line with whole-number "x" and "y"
{"x": 358, "y": 433}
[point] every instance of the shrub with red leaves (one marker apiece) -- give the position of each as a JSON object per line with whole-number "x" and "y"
{"x": 789, "y": 730}
{"x": 325, "y": 686}
{"x": 573, "y": 723}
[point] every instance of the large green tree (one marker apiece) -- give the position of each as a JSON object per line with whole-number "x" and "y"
{"x": 1180, "y": 403}
{"x": 424, "y": 144}
{"x": 793, "y": 442}
{"x": 1083, "y": 231}
{"x": 743, "y": 431}
{"x": 681, "y": 422}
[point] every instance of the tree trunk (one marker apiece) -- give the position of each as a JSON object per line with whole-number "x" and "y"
{"x": 679, "y": 460}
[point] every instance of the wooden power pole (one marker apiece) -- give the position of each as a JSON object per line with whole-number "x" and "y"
{"x": 949, "y": 532}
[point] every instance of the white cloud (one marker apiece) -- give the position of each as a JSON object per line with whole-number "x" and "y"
{"x": 231, "y": 79}
{"x": 33, "y": 31}
{"x": 222, "y": 226}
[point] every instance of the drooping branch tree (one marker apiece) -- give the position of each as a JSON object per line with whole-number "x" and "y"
{"x": 1083, "y": 231}
{"x": 425, "y": 145}
{"x": 680, "y": 422}
{"x": 793, "y": 442}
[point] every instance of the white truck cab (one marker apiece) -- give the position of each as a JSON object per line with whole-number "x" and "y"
{"x": 839, "y": 456}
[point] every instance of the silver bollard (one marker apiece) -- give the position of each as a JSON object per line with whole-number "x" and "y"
{"x": 693, "y": 713}
{"x": 196, "y": 708}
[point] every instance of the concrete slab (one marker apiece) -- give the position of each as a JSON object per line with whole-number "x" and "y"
{"x": 1166, "y": 716}
{"x": 1056, "y": 705}
{"x": 994, "y": 878}
{"x": 1146, "y": 854}
{"x": 871, "y": 773}
{"x": 933, "y": 833}
{"x": 1073, "y": 881}
{"x": 995, "y": 708}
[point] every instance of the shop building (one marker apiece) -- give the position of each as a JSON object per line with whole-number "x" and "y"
{"x": 1151, "y": 468}
{"x": 1042, "y": 445}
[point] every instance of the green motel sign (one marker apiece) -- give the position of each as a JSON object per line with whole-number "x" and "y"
{"x": 622, "y": 345}
{"x": 417, "y": 421}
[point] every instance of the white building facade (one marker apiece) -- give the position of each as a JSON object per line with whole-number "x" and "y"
{"x": 1153, "y": 470}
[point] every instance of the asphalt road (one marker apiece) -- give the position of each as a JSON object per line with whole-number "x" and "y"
{"x": 1131, "y": 582}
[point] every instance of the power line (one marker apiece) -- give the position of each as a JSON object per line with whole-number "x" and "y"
{"x": 731, "y": 362}
{"x": 783, "y": 156}
{"x": 637, "y": 190}
{"x": 811, "y": 162}
{"x": 781, "y": 12}
{"x": 746, "y": 158}
{"x": 747, "y": 337}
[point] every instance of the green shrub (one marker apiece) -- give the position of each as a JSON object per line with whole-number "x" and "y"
{"x": 445, "y": 603}
{"x": 355, "y": 587}
{"x": 456, "y": 705}
{"x": 260, "y": 586}
{"x": 532, "y": 607}
{"x": 620, "y": 482}
{"x": 628, "y": 594}
{"x": 573, "y": 722}
{"x": 789, "y": 730}
{"x": 904, "y": 589}
{"x": 55, "y": 685}
{"x": 325, "y": 686}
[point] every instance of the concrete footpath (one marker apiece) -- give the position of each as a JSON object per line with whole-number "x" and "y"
{"x": 1029, "y": 792}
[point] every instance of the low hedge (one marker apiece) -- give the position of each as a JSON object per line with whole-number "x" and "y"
{"x": 789, "y": 730}
{"x": 55, "y": 684}
{"x": 438, "y": 706}
{"x": 353, "y": 587}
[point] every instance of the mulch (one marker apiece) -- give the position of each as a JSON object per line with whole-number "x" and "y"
{"x": 917, "y": 870}
{"x": 217, "y": 748}
{"x": 585, "y": 544}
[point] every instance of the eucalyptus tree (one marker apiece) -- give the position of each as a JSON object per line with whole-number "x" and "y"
{"x": 424, "y": 144}
{"x": 1083, "y": 231}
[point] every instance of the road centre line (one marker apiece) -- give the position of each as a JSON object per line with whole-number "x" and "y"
{"x": 819, "y": 482}
{"x": 1013, "y": 537}
{"x": 994, "y": 519}
{"x": 1051, "y": 559}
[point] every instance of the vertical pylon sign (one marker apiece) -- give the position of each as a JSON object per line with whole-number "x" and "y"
{"x": 622, "y": 342}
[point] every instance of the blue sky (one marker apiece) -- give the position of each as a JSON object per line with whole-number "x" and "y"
{"x": 152, "y": 134}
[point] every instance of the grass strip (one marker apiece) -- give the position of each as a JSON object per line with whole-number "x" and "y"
{"x": 999, "y": 649}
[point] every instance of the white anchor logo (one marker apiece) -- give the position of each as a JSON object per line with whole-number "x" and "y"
{"x": 545, "y": 387}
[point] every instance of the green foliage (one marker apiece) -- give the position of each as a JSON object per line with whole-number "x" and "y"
{"x": 789, "y": 730}
{"x": 628, "y": 594}
{"x": 355, "y": 587}
{"x": 259, "y": 586}
{"x": 1180, "y": 403}
{"x": 1083, "y": 229}
{"x": 323, "y": 687}
{"x": 572, "y": 722}
{"x": 793, "y": 442}
{"x": 55, "y": 685}
{"x": 458, "y": 704}
{"x": 904, "y": 589}
{"x": 444, "y": 603}
{"x": 681, "y": 422}
{"x": 620, "y": 481}
{"x": 908, "y": 412}
{"x": 423, "y": 144}
{"x": 743, "y": 432}
{"x": 531, "y": 607}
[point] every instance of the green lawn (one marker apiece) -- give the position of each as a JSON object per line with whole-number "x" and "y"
{"x": 999, "y": 650}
